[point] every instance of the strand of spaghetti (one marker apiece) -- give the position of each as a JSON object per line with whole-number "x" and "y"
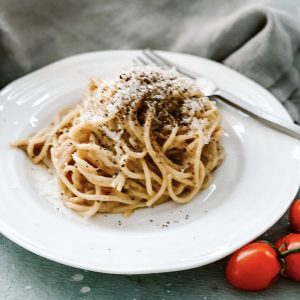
{"x": 130, "y": 174}
{"x": 206, "y": 181}
{"x": 75, "y": 200}
{"x": 179, "y": 189}
{"x": 183, "y": 137}
{"x": 147, "y": 177}
{"x": 37, "y": 140}
{"x": 123, "y": 161}
{"x": 132, "y": 153}
{"x": 98, "y": 190}
{"x": 178, "y": 174}
{"x": 192, "y": 145}
{"x": 134, "y": 184}
{"x": 164, "y": 158}
{"x": 52, "y": 132}
{"x": 132, "y": 141}
{"x": 155, "y": 177}
{"x": 121, "y": 182}
{"x": 136, "y": 130}
{"x": 170, "y": 139}
{"x": 84, "y": 164}
{"x": 92, "y": 210}
{"x": 20, "y": 143}
{"x": 180, "y": 178}
{"x": 46, "y": 161}
{"x": 85, "y": 196}
{"x": 155, "y": 158}
{"x": 192, "y": 193}
{"x": 108, "y": 206}
{"x": 209, "y": 112}
{"x": 117, "y": 179}
{"x": 197, "y": 159}
{"x": 141, "y": 195}
{"x": 61, "y": 148}
{"x": 76, "y": 132}
{"x": 76, "y": 178}
{"x": 30, "y": 142}
{"x": 102, "y": 154}
{"x": 77, "y": 207}
{"x": 67, "y": 156}
{"x": 128, "y": 208}
{"x": 213, "y": 158}
{"x": 83, "y": 168}
{"x": 134, "y": 134}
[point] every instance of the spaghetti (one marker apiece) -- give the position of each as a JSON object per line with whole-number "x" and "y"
{"x": 145, "y": 138}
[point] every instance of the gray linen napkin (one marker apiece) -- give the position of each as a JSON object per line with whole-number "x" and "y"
{"x": 256, "y": 40}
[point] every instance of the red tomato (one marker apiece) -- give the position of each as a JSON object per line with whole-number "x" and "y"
{"x": 288, "y": 246}
{"x": 254, "y": 267}
{"x": 294, "y": 216}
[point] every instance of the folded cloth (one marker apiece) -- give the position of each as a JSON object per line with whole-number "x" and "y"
{"x": 257, "y": 40}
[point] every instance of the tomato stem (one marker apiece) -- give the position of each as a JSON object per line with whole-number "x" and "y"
{"x": 288, "y": 252}
{"x": 271, "y": 245}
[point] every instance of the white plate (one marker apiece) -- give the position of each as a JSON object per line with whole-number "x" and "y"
{"x": 249, "y": 192}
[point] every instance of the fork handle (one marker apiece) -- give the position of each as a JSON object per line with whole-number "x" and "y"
{"x": 267, "y": 118}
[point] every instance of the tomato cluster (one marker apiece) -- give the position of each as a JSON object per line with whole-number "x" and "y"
{"x": 257, "y": 265}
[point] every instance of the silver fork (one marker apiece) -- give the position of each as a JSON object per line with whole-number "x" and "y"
{"x": 211, "y": 90}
